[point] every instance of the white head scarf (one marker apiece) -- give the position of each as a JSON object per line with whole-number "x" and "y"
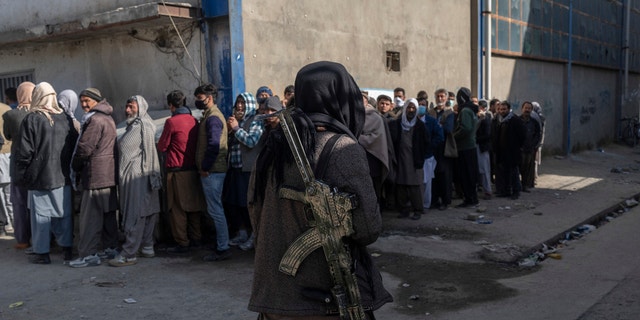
{"x": 43, "y": 100}
{"x": 406, "y": 124}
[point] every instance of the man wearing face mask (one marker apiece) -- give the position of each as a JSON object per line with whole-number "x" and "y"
{"x": 435, "y": 132}
{"x": 398, "y": 102}
{"x": 211, "y": 160}
{"x": 411, "y": 141}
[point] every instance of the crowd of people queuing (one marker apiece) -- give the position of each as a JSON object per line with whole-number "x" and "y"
{"x": 49, "y": 157}
{"x": 462, "y": 147}
{"x": 419, "y": 155}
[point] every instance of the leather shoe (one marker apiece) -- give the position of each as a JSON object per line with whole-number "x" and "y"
{"x": 40, "y": 258}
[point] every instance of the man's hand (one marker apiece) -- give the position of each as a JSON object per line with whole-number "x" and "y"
{"x": 204, "y": 173}
{"x": 232, "y": 123}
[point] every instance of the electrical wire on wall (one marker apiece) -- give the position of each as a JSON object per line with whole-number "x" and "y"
{"x": 195, "y": 68}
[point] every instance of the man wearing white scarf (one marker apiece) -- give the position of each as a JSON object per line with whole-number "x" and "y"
{"x": 140, "y": 181}
{"x": 411, "y": 140}
{"x": 43, "y": 159}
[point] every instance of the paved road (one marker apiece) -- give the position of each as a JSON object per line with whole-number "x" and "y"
{"x": 597, "y": 278}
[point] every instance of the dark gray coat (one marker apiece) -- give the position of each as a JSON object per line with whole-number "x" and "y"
{"x": 278, "y": 222}
{"x": 43, "y": 151}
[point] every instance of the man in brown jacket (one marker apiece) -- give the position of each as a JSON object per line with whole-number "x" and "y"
{"x": 95, "y": 160}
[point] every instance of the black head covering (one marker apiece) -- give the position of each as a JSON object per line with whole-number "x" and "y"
{"x": 326, "y": 95}
{"x": 463, "y": 98}
{"x": 329, "y": 96}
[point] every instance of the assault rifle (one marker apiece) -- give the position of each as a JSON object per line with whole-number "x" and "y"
{"x": 331, "y": 223}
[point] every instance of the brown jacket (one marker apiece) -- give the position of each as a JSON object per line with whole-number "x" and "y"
{"x": 95, "y": 155}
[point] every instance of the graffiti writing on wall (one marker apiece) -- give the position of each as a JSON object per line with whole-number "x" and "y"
{"x": 602, "y": 101}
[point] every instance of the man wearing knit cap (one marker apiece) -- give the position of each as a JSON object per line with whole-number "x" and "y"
{"x": 263, "y": 94}
{"x": 95, "y": 159}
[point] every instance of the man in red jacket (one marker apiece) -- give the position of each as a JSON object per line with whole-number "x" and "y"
{"x": 184, "y": 192}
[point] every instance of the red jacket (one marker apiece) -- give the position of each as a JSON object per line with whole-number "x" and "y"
{"x": 178, "y": 140}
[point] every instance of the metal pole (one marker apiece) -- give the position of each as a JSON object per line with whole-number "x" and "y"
{"x": 487, "y": 50}
{"x": 481, "y": 40}
{"x": 570, "y": 60}
{"x": 625, "y": 47}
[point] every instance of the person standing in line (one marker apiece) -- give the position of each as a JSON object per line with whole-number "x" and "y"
{"x": 244, "y": 135}
{"x": 185, "y": 199}
{"x": 95, "y": 159}
{"x": 443, "y": 177}
{"x": 374, "y": 139}
{"x": 435, "y": 132}
{"x": 6, "y": 208}
{"x": 289, "y": 96}
{"x": 483, "y": 140}
{"x": 43, "y": 163}
{"x": 411, "y": 141}
{"x": 68, "y": 101}
{"x": 465, "y": 135}
{"x": 11, "y": 97}
{"x": 537, "y": 111}
{"x": 11, "y": 129}
{"x": 507, "y": 136}
{"x": 532, "y": 138}
{"x": 331, "y": 106}
{"x": 211, "y": 159}
{"x": 140, "y": 182}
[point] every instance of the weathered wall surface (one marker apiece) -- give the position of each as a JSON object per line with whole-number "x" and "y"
{"x": 119, "y": 66}
{"x": 18, "y": 15}
{"x": 518, "y": 81}
{"x": 593, "y": 99}
{"x": 281, "y": 36}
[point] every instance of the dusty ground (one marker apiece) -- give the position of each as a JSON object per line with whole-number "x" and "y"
{"x": 433, "y": 265}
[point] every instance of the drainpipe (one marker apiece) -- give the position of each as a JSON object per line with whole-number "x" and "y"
{"x": 625, "y": 47}
{"x": 570, "y": 60}
{"x": 480, "y": 35}
{"x": 487, "y": 53}
{"x": 237, "y": 48}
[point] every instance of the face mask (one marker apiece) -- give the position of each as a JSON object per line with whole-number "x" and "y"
{"x": 399, "y": 102}
{"x": 449, "y": 103}
{"x": 422, "y": 110}
{"x": 261, "y": 100}
{"x": 200, "y": 104}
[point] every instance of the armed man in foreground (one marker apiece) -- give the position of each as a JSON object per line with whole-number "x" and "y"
{"x": 313, "y": 207}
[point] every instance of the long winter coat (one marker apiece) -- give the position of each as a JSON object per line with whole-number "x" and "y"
{"x": 507, "y": 138}
{"x": 277, "y": 293}
{"x": 43, "y": 151}
{"x": 96, "y": 151}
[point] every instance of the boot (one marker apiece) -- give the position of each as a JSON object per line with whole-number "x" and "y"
{"x": 68, "y": 253}
{"x": 40, "y": 258}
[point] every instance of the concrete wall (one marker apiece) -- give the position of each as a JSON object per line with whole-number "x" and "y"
{"x": 281, "y": 36}
{"x": 517, "y": 81}
{"x": 593, "y": 102}
{"x": 119, "y": 66}
{"x": 17, "y": 15}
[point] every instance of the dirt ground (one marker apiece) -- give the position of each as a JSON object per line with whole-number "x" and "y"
{"x": 430, "y": 266}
